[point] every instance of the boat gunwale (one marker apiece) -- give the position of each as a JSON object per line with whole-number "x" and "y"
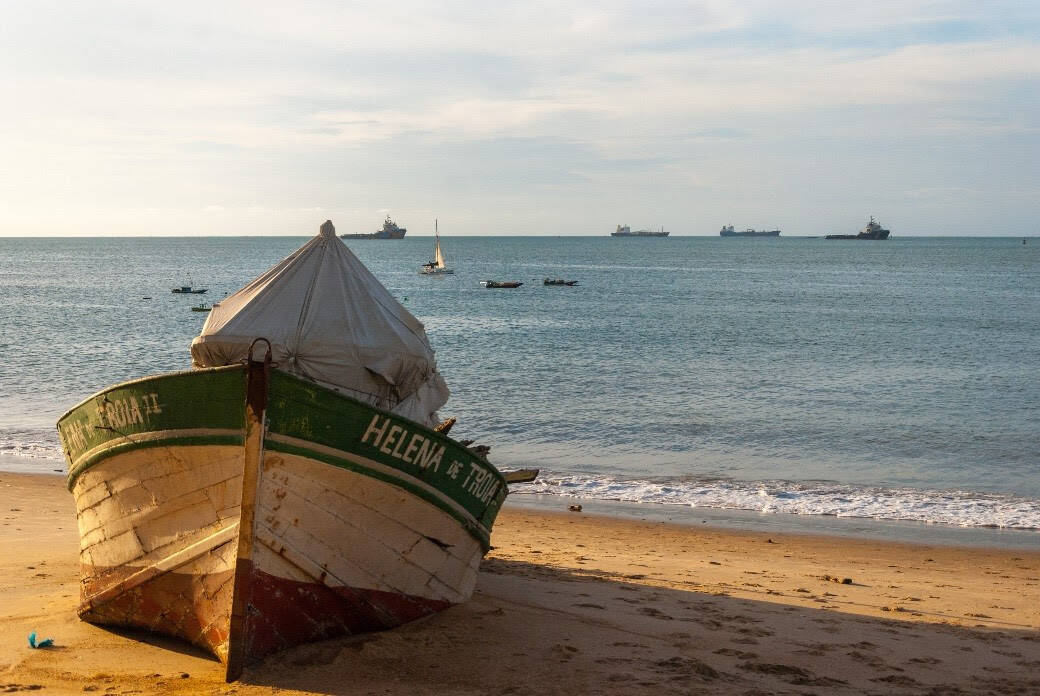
{"x": 147, "y": 378}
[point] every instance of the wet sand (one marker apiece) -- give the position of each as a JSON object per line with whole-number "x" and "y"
{"x": 570, "y": 603}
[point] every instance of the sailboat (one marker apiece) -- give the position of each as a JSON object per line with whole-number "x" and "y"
{"x": 436, "y": 267}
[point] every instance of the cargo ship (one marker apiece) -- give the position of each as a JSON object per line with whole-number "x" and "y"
{"x": 626, "y": 231}
{"x": 873, "y": 230}
{"x": 727, "y": 231}
{"x": 390, "y": 231}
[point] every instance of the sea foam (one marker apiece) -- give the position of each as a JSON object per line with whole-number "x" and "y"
{"x": 962, "y": 508}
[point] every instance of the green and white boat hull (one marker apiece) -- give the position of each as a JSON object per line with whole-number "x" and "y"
{"x": 247, "y": 510}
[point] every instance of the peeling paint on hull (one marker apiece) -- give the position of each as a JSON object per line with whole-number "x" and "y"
{"x": 290, "y": 612}
{"x": 246, "y": 530}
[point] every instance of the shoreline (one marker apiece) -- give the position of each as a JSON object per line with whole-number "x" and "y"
{"x": 895, "y": 530}
{"x": 575, "y": 603}
{"x": 863, "y": 528}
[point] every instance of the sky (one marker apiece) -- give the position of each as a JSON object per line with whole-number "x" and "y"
{"x": 533, "y": 118}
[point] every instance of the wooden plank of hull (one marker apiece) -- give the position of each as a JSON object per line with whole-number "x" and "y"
{"x": 158, "y": 530}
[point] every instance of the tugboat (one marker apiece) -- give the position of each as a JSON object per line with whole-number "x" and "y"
{"x": 873, "y": 230}
{"x": 727, "y": 231}
{"x": 390, "y": 231}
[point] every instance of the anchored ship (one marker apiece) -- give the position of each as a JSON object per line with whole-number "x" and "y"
{"x": 296, "y": 485}
{"x": 390, "y": 231}
{"x": 626, "y": 231}
{"x": 727, "y": 231}
{"x": 873, "y": 230}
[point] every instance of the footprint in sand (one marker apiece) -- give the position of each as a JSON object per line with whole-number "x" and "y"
{"x": 925, "y": 660}
{"x": 656, "y": 613}
{"x": 872, "y": 660}
{"x": 732, "y": 652}
{"x": 863, "y": 645}
{"x": 12, "y": 688}
{"x": 761, "y": 632}
{"x": 564, "y": 652}
{"x": 685, "y": 667}
{"x": 791, "y": 674}
{"x": 897, "y": 680}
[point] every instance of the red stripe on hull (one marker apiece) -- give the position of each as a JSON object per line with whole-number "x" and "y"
{"x": 283, "y": 613}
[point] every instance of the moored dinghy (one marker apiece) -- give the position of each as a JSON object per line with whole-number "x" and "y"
{"x": 292, "y": 487}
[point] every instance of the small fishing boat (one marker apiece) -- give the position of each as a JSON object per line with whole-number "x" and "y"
{"x": 296, "y": 485}
{"x": 558, "y": 281}
{"x": 501, "y": 283}
{"x": 201, "y": 307}
{"x": 188, "y": 290}
{"x": 436, "y": 267}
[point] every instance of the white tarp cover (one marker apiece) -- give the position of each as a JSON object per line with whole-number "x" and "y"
{"x": 329, "y": 320}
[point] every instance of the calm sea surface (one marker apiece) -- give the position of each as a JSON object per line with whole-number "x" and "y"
{"x": 894, "y": 380}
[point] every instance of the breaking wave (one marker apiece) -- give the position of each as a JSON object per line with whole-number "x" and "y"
{"x": 961, "y": 508}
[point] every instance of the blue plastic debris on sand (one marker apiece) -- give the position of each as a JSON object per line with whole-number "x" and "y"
{"x": 45, "y": 643}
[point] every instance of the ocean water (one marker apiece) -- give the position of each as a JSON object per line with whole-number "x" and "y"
{"x": 890, "y": 381}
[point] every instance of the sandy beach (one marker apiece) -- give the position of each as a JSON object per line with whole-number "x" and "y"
{"x": 570, "y": 603}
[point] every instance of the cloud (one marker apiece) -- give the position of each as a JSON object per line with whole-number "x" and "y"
{"x": 165, "y": 105}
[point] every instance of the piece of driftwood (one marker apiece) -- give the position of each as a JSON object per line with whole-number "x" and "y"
{"x": 520, "y": 475}
{"x": 481, "y": 449}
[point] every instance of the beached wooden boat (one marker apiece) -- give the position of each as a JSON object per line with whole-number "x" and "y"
{"x": 250, "y": 507}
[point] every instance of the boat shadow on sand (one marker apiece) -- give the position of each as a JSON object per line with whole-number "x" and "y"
{"x": 533, "y": 628}
{"x": 159, "y": 640}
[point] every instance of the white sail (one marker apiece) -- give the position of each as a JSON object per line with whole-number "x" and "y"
{"x": 438, "y": 257}
{"x": 437, "y": 266}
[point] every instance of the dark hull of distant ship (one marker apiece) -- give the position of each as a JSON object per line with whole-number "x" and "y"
{"x": 879, "y": 234}
{"x": 639, "y": 234}
{"x": 750, "y": 233}
{"x": 398, "y": 234}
